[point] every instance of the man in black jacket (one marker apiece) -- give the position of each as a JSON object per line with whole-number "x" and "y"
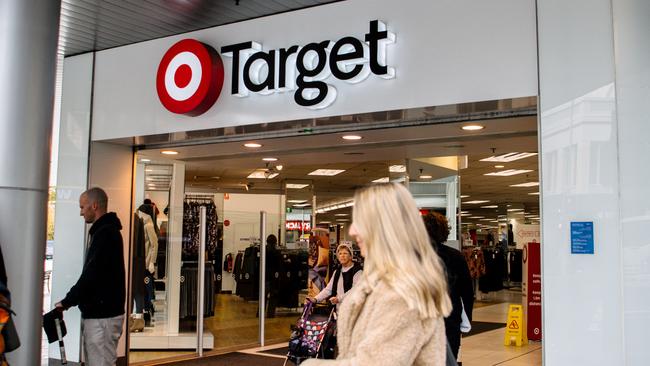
{"x": 460, "y": 288}
{"x": 100, "y": 290}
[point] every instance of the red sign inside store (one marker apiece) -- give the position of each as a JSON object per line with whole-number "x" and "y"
{"x": 533, "y": 298}
{"x": 298, "y": 225}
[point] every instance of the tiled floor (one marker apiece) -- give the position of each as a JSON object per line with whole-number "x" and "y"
{"x": 236, "y": 326}
{"x": 487, "y": 348}
{"x": 484, "y": 349}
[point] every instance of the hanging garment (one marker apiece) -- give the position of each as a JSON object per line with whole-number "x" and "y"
{"x": 189, "y": 288}
{"x": 475, "y": 262}
{"x": 191, "y": 227}
{"x": 494, "y": 275}
{"x": 138, "y": 264}
{"x": 249, "y": 280}
{"x": 516, "y": 265}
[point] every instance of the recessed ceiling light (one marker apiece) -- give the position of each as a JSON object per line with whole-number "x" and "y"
{"x": 473, "y": 127}
{"x": 425, "y": 177}
{"x": 490, "y": 206}
{"x": 506, "y": 158}
{"x": 352, "y": 137}
{"x": 324, "y": 222}
{"x": 262, "y": 174}
{"x": 296, "y": 186}
{"x": 509, "y": 172}
{"x": 499, "y": 166}
{"x": 515, "y": 209}
{"x": 464, "y": 196}
{"x": 381, "y": 180}
{"x": 252, "y": 145}
{"x": 301, "y": 205}
{"x": 534, "y": 193}
{"x": 476, "y": 202}
{"x": 145, "y": 160}
{"x": 342, "y": 220}
{"x": 169, "y": 152}
{"x": 326, "y": 172}
{"x": 528, "y": 184}
{"x": 341, "y": 214}
{"x": 296, "y": 201}
{"x": 466, "y": 214}
{"x": 475, "y": 217}
{"x": 148, "y": 170}
{"x": 270, "y": 159}
{"x": 397, "y": 168}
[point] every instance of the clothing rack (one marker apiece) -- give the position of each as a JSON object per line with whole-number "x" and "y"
{"x": 197, "y": 262}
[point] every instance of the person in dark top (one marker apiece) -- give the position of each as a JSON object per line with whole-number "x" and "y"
{"x": 461, "y": 290}
{"x": 100, "y": 290}
{"x": 272, "y": 282}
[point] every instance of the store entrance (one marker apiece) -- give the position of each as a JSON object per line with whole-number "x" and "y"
{"x": 281, "y": 206}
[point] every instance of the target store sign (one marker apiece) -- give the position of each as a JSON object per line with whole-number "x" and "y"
{"x": 190, "y": 78}
{"x": 191, "y": 74}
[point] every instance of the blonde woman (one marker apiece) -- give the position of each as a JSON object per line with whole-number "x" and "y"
{"x": 394, "y": 316}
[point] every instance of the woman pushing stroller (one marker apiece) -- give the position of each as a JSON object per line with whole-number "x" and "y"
{"x": 345, "y": 277}
{"x": 394, "y": 315}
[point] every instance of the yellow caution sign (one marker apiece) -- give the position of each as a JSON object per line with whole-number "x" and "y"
{"x": 515, "y": 327}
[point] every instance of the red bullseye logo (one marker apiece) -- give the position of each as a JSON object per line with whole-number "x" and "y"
{"x": 190, "y": 77}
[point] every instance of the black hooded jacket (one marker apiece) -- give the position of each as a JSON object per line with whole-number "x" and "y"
{"x": 100, "y": 291}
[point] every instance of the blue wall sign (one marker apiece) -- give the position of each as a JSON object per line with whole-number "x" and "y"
{"x": 582, "y": 237}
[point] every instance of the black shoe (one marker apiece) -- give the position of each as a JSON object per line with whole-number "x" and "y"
{"x": 147, "y": 319}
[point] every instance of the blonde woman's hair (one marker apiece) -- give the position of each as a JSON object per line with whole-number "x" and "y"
{"x": 398, "y": 249}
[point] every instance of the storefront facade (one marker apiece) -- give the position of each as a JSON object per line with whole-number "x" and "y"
{"x": 384, "y": 56}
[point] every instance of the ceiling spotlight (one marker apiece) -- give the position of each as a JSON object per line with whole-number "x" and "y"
{"x": 397, "y": 169}
{"x": 279, "y": 167}
{"x": 169, "y": 152}
{"x": 270, "y": 159}
{"x": 145, "y": 160}
{"x": 472, "y": 127}
{"x": 425, "y": 177}
{"x": 499, "y": 166}
{"x": 295, "y": 186}
{"x": 252, "y": 145}
{"x": 352, "y": 137}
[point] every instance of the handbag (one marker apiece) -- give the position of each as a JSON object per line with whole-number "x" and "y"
{"x": 10, "y": 336}
{"x": 8, "y": 333}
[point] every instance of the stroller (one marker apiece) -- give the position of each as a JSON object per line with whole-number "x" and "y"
{"x": 314, "y": 335}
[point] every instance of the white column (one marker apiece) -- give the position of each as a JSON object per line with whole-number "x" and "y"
{"x": 28, "y": 41}
{"x": 580, "y": 154}
{"x": 632, "y": 54}
{"x": 175, "y": 247}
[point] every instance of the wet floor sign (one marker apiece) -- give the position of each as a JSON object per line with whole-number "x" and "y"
{"x": 515, "y": 327}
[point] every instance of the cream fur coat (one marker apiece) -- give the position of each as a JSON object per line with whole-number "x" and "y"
{"x": 376, "y": 328}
